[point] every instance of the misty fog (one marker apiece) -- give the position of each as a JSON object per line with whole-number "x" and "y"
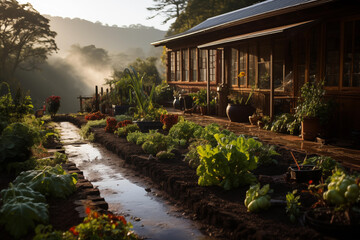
{"x": 79, "y": 67}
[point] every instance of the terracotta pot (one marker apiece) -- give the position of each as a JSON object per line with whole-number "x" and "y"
{"x": 310, "y": 128}
{"x": 239, "y": 113}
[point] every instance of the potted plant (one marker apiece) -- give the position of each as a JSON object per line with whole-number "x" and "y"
{"x": 147, "y": 115}
{"x": 53, "y": 105}
{"x": 312, "y": 109}
{"x": 200, "y": 100}
{"x": 176, "y": 102}
{"x": 239, "y": 109}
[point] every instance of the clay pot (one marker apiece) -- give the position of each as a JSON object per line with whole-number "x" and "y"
{"x": 239, "y": 113}
{"x": 310, "y": 128}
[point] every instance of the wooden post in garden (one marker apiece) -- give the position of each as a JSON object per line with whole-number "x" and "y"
{"x": 96, "y": 99}
{"x": 208, "y": 83}
{"x": 81, "y": 106}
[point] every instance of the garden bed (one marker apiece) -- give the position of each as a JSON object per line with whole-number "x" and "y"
{"x": 223, "y": 210}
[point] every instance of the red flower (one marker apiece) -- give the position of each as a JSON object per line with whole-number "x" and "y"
{"x": 73, "y": 231}
{"x": 311, "y": 182}
{"x": 88, "y": 210}
{"x": 122, "y": 219}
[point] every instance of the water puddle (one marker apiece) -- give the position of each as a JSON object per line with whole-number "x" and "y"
{"x": 127, "y": 194}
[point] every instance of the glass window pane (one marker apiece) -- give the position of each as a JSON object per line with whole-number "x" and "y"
{"x": 178, "y": 73}
{"x": 264, "y": 66}
{"x": 332, "y": 53}
{"x": 202, "y": 65}
{"x": 172, "y": 66}
{"x": 242, "y": 65}
{"x": 193, "y": 65}
{"x": 185, "y": 65}
{"x": 279, "y": 65}
{"x": 234, "y": 66}
{"x": 252, "y": 66}
{"x": 212, "y": 63}
{"x": 356, "y": 64}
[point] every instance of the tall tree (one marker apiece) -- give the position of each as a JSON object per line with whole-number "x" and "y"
{"x": 170, "y": 8}
{"x": 197, "y": 11}
{"x": 25, "y": 38}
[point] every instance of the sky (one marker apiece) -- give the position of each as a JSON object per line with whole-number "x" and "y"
{"x": 111, "y": 12}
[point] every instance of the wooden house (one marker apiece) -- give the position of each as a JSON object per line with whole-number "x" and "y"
{"x": 279, "y": 45}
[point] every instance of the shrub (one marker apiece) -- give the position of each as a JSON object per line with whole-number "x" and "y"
{"x": 95, "y": 116}
{"x": 184, "y": 130}
{"x": 168, "y": 120}
{"x": 110, "y": 125}
{"x": 124, "y": 131}
{"x": 123, "y": 123}
{"x": 16, "y": 141}
{"x": 53, "y": 104}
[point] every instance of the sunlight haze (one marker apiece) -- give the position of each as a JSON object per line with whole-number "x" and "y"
{"x": 111, "y": 12}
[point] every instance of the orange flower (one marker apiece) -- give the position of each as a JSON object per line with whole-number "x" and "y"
{"x": 122, "y": 219}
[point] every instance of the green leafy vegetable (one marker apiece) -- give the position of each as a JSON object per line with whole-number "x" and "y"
{"x": 21, "y": 214}
{"x": 228, "y": 164}
{"x": 52, "y": 181}
{"x": 257, "y": 198}
{"x": 293, "y": 206}
{"x": 21, "y": 190}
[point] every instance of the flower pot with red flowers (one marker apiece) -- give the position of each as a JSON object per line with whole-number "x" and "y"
{"x": 53, "y": 104}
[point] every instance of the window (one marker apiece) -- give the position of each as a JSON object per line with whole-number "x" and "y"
{"x": 202, "y": 65}
{"x": 212, "y": 65}
{"x": 300, "y": 63}
{"x": 242, "y": 65}
{"x": 264, "y": 65}
{"x": 172, "y": 66}
{"x": 279, "y": 65}
{"x": 193, "y": 65}
{"x": 332, "y": 58}
{"x": 351, "y": 72}
{"x": 252, "y": 65}
{"x": 178, "y": 73}
{"x": 234, "y": 66}
{"x": 185, "y": 65}
{"x": 314, "y": 55}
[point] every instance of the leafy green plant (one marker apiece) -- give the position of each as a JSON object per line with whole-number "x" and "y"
{"x": 21, "y": 214}
{"x": 156, "y": 142}
{"x": 208, "y": 132}
{"x": 264, "y": 153}
{"x": 343, "y": 190}
{"x": 257, "y": 198}
{"x": 124, "y": 131}
{"x": 165, "y": 155}
{"x": 52, "y": 181}
{"x": 326, "y": 164}
{"x": 228, "y": 164}
{"x": 200, "y": 97}
{"x": 293, "y": 205}
{"x": 134, "y": 137}
{"x": 192, "y": 157}
{"x": 16, "y": 141}
{"x": 184, "y": 130}
{"x": 21, "y": 190}
{"x": 43, "y": 232}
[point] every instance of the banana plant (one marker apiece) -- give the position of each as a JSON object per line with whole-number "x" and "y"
{"x": 144, "y": 101}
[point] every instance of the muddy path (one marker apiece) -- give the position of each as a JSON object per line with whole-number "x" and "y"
{"x": 152, "y": 215}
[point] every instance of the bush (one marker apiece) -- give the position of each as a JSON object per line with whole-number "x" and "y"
{"x": 184, "y": 130}
{"x": 110, "y": 125}
{"x": 16, "y": 141}
{"x": 124, "y": 131}
{"x": 168, "y": 120}
{"x": 95, "y": 116}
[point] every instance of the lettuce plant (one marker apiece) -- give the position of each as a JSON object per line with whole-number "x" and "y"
{"x": 228, "y": 164}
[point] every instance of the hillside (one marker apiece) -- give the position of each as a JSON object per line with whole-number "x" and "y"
{"x": 113, "y": 39}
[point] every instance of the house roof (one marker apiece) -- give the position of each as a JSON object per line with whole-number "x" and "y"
{"x": 254, "y": 12}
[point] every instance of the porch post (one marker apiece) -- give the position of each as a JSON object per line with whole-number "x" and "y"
{"x": 208, "y": 82}
{"x": 271, "y": 85}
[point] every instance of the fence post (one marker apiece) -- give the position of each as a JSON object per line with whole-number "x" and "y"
{"x": 96, "y": 99}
